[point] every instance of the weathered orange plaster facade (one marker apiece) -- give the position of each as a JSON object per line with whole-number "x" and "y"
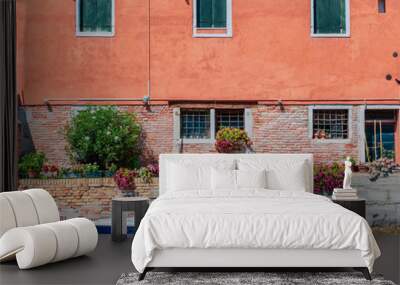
{"x": 271, "y": 55}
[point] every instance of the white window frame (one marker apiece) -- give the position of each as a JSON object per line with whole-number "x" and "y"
{"x": 227, "y": 34}
{"x": 248, "y": 127}
{"x": 330, "y": 107}
{"x": 78, "y": 33}
{"x": 346, "y": 35}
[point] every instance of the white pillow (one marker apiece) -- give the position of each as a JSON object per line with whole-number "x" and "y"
{"x": 282, "y": 174}
{"x": 183, "y": 177}
{"x": 193, "y": 174}
{"x": 223, "y": 179}
{"x": 251, "y": 178}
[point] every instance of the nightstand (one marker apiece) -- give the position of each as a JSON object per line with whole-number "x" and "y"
{"x": 123, "y": 204}
{"x": 357, "y": 206}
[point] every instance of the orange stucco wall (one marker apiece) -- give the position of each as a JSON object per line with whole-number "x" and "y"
{"x": 270, "y": 56}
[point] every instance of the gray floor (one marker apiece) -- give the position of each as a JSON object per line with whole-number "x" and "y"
{"x": 103, "y": 266}
{"x": 110, "y": 260}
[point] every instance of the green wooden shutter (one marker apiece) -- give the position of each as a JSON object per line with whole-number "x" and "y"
{"x": 88, "y": 15}
{"x": 204, "y": 13}
{"x": 219, "y": 13}
{"x": 330, "y": 16}
{"x": 104, "y": 11}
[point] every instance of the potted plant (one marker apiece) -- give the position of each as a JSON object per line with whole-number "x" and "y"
{"x": 31, "y": 164}
{"x": 91, "y": 170}
{"x": 125, "y": 180}
{"x": 230, "y": 140}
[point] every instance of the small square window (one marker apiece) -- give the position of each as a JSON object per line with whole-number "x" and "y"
{"x": 330, "y": 124}
{"x": 330, "y": 17}
{"x": 233, "y": 118}
{"x": 95, "y": 17}
{"x": 195, "y": 124}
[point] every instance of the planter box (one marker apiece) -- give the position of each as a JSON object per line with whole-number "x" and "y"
{"x": 383, "y": 198}
{"x": 87, "y": 197}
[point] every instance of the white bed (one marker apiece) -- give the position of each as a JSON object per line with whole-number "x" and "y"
{"x": 197, "y": 224}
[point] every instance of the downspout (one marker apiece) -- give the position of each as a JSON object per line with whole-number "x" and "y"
{"x": 149, "y": 55}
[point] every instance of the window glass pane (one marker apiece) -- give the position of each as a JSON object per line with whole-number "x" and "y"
{"x": 229, "y": 119}
{"x": 204, "y": 13}
{"x": 104, "y": 11}
{"x": 329, "y": 16}
{"x": 219, "y": 13}
{"x": 195, "y": 124}
{"x": 88, "y": 15}
{"x": 95, "y": 16}
{"x": 330, "y": 124}
{"x": 211, "y": 13}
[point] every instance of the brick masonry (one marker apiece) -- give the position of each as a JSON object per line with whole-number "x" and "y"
{"x": 87, "y": 197}
{"x": 274, "y": 131}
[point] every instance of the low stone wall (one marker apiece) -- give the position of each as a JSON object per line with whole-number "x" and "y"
{"x": 383, "y": 199}
{"x": 87, "y": 197}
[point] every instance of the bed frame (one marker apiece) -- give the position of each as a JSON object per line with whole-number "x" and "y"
{"x": 242, "y": 259}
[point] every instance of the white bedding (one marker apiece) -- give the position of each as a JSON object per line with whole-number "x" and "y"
{"x": 250, "y": 219}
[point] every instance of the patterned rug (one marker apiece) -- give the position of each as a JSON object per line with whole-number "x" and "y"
{"x": 243, "y": 278}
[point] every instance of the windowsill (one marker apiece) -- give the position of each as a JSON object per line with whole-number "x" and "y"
{"x": 95, "y": 34}
{"x": 212, "y": 33}
{"x": 198, "y": 141}
{"x": 328, "y": 141}
{"x": 347, "y": 35}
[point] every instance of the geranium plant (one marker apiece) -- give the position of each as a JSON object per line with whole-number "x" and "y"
{"x": 125, "y": 178}
{"x": 232, "y": 140}
{"x": 327, "y": 177}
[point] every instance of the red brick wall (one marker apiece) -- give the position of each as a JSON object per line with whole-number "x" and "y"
{"x": 274, "y": 131}
{"x": 286, "y": 131}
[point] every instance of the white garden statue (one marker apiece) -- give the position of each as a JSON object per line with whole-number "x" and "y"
{"x": 347, "y": 174}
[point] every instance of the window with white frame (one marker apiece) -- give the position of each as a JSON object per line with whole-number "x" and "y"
{"x": 330, "y": 124}
{"x": 212, "y": 18}
{"x": 95, "y": 17}
{"x": 330, "y": 18}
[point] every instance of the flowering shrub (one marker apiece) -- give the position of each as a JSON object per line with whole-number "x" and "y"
{"x": 125, "y": 178}
{"x": 327, "y": 177}
{"x": 103, "y": 136}
{"x": 232, "y": 139}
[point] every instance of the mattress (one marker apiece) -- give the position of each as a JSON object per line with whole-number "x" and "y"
{"x": 250, "y": 219}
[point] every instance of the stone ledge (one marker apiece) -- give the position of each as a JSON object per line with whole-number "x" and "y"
{"x": 103, "y": 181}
